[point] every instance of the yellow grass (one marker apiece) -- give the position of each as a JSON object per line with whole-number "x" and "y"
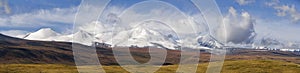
{"x": 242, "y": 66}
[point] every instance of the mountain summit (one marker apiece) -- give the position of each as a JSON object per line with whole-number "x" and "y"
{"x": 42, "y": 34}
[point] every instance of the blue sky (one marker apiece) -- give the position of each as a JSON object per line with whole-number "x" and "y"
{"x": 257, "y": 8}
{"x": 26, "y": 6}
{"x": 31, "y": 15}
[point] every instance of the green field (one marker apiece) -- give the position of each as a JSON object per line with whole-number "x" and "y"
{"x": 242, "y": 66}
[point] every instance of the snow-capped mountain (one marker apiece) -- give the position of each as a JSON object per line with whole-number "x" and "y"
{"x": 83, "y": 37}
{"x": 147, "y": 34}
{"x": 47, "y": 34}
{"x": 272, "y": 43}
{"x": 43, "y": 34}
{"x": 209, "y": 41}
{"x": 140, "y": 35}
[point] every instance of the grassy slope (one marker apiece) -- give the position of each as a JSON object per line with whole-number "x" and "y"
{"x": 242, "y": 66}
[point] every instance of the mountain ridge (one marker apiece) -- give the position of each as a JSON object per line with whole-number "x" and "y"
{"x": 22, "y": 51}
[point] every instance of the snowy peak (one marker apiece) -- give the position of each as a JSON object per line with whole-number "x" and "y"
{"x": 83, "y": 34}
{"x": 208, "y": 41}
{"x": 42, "y": 34}
{"x": 272, "y": 43}
{"x": 148, "y": 33}
{"x": 83, "y": 37}
{"x": 148, "y": 37}
{"x": 144, "y": 33}
{"x": 47, "y": 34}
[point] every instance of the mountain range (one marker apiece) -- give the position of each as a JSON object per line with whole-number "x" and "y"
{"x": 148, "y": 33}
{"x": 22, "y": 51}
{"x": 142, "y": 36}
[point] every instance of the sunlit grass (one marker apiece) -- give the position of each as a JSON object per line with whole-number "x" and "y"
{"x": 242, "y": 66}
{"x": 36, "y": 68}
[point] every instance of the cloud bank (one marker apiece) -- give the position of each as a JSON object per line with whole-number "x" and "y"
{"x": 289, "y": 11}
{"x": 14, "y": 33}
{"x": 285, "y": 10}
{"x": 39, "y": 18}
{"x": 239, "y": 28}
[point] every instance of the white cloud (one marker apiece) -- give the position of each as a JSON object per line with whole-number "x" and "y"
{"x": 289, "y": 11}
{"x": 14, "y": 33}
{"x": 58, "y": 18}
{"x": 232, "y": 11}
{"x": 272, "y": 3}
{"x": 4, "y": 5}
{"x": 150, "y": 11}
{"x": 277, "y": 29}
{"x": 39, "y": 18}
{"x": 244, "y": 2}
{"x": 93, "y": 27}
{"x": 285, "y": 10}
{"x": 239, "y": 27}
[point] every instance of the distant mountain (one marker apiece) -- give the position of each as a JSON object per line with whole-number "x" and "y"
{"x": 42, "y": 34}
{"x": 149, "y": 33}
{"x": 47, "y": 34}
{"x": 146, "y": 34}
{"x": 209, "y": 41}
{"x": 272, "y": 43}
{"x": 83, "y": 37}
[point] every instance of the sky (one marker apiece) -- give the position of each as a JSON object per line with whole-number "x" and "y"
{"x": 278, "y": 19}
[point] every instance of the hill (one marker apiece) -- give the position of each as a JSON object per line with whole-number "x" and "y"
{"x": 20, "y": 51}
